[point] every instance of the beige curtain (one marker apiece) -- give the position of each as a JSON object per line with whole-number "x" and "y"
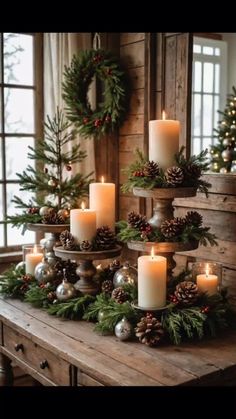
{"x": 58, "y": 51}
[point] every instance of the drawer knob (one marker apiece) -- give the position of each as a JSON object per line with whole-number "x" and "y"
{"x": 44, "y": 364}
{"x": 19, "y": 347}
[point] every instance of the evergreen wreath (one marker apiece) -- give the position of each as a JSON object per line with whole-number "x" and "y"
{"x": 78, "y": 77}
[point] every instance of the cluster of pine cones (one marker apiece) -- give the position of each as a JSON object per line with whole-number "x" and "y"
{"x": 140, "y": 223}
{"x": 175, "y": 176}
{"x": 105, "y": 239}
{"x": 174, "y": 227}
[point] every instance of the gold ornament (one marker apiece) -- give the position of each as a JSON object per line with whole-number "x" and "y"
{"x": 63, "y": 213}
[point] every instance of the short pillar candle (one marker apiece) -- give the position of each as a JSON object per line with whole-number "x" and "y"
{"x": 83, "y": 223}
{"x": 33, "y": 256}
{"x": 152, "y": 272}
{"x": 207, "y": 282}
{"x": 102, "y": 200}
{"x": 163, "y": 141}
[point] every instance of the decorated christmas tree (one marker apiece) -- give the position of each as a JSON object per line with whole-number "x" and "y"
{"x": 53, "y": 193}
{"x": 223, "y": 153}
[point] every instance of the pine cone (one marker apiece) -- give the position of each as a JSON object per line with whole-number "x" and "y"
{"x": 175, "y": 176}
{"x": 51, "y": 296}
{"x": 193, "y": 218}
{"x": 192, "y": 171}
{"x": 171, "y": 228}
{"x": 149, "y": 330}
{"x": 67, "y": 240}
{"x": 119, "y": 295}
{"x": 105, "y": 238}
{"x": 136, "y": 220}
{"x": 186, "y": 292}
{"x": 85, "y": 246}
{"x": 151, "y": 169}
{"x": 50, "y": 217}
{"x": 115, "y": 265}
{"x": 70, "y": 268}
{"x": 107, "y": 286}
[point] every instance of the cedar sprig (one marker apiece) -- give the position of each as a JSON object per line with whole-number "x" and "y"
{"x": 114, "y": 313}
{"x": 11, "y": 283}
{"x": 38, "y": 296}
{"x": 72, "y": 309}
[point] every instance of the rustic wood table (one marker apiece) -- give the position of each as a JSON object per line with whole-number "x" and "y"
{"x": 69, "y": 353}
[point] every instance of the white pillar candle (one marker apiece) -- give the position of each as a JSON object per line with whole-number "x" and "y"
{"x": 32, "y": 260}
{"x": 152, "y": 281}
{"x": 163, "y": 141}
{"x": 207, "y": 282}
{"x": 83, "y": 223}
{"x": 102, "y": 200}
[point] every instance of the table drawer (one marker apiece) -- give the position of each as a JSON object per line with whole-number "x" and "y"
{"x": 85, "y": 380}
{"x": 44, "y": 361}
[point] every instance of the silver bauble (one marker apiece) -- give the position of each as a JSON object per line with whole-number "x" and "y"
{"x": 124, "y": 329}
{"x": 44, "y": 272}
{"x": 125, "y": 275}
{"x": 227, "y": 141}
{"x": 20, "y": 267}
{"x": 227, "y": 154}
{"x": 223, "y": 170}
{"x": 65, "y": 291}
{"x": 44, "y": 211}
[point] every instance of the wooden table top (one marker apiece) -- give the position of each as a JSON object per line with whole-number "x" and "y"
{"x": 112, "y": 362}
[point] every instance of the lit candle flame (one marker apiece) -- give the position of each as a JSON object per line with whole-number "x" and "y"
{"x": 102, "y": 179}
{"x": 163, "y": 115}
{"x": 207, "y": 270}
{"x": 152, "y": 252}
{"x": 83, "y": 205}
{"x": 35, "y": 248}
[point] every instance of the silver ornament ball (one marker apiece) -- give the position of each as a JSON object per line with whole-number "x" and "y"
{"x": 125, "y": 275}
{"x": 20, "y": 267}
{"x": 44, "y": 211}
{"x": 124, "y": 329}
{"x": 227, "y": 154}
{"x": 65, "y": 291}
{"x": 101, "y": 315}
{"x": 44, "y": 272}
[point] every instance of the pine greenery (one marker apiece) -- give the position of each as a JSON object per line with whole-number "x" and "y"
{"x": 60, "y": 193}
{"x": 72, "y": 309}
{"x": 226, "y": 135}
{"x": 136, "y": 173}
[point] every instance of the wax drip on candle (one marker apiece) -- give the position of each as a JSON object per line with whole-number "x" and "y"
{"x": 83, "y": 206}
{"x": 163, "y": 115}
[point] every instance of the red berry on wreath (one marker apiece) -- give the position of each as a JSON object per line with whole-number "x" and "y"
{"x": 68, "y": 168}
{"x": 173, "y": 299}
{"x": 109, "y": 71}
{"x": 97, "y": 58}
{"x": 85, "y": 121}
{"x": 45, "y": 170}
{"x": 97, "y": 123}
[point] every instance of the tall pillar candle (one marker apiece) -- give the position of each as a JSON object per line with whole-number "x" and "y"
{"x": 32, "y": 259}
{"x": 102, "y": 200}
{"x": 152, "y": 281}
{"x": 163, "y": 141}
{"x": 83, "y": 224}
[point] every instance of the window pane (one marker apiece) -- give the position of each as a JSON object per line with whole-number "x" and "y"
{"x": 19, "y": 110}
{"x": 208, "y": 77}
{"x": 197, "y": 48}
{"x": 1, "y": 236}
{"x": 208, "y": 50}
{"x": 197, "y": 114}
{"x": 196, "y": 145}
{"x": 16, "y": 147}
{"x": 207, "y": 115}
{"x": 206, "y": 143}
{"x": 18, "y": 59}
{"x": 1, "y": 203}
{"x": 217, "y": 78}
{"x": 197, "y": 76}
{"x": 14, "y": 189}
{"x": 217, "y": 52}
{"x": 0, "y": 109}
{"x": 14, "y": 236}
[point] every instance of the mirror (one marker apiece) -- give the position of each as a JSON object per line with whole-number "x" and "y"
{"x": 214, "y": 74}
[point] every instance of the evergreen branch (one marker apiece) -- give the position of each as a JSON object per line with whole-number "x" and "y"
{"x": 38, "y": 296}
{"x": 72, "y": 309}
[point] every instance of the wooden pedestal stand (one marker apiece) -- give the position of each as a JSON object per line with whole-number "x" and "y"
{"x": 86, "y": 270}
{"x": 163, "y": 210}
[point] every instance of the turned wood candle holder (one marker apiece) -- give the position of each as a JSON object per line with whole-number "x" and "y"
{"x": 86, "y": 270}
{"x": 163, "y": 210}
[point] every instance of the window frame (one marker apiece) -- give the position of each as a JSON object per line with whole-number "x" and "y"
{"x": 203, "y": 58}
{"x": 38, "y": 115}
